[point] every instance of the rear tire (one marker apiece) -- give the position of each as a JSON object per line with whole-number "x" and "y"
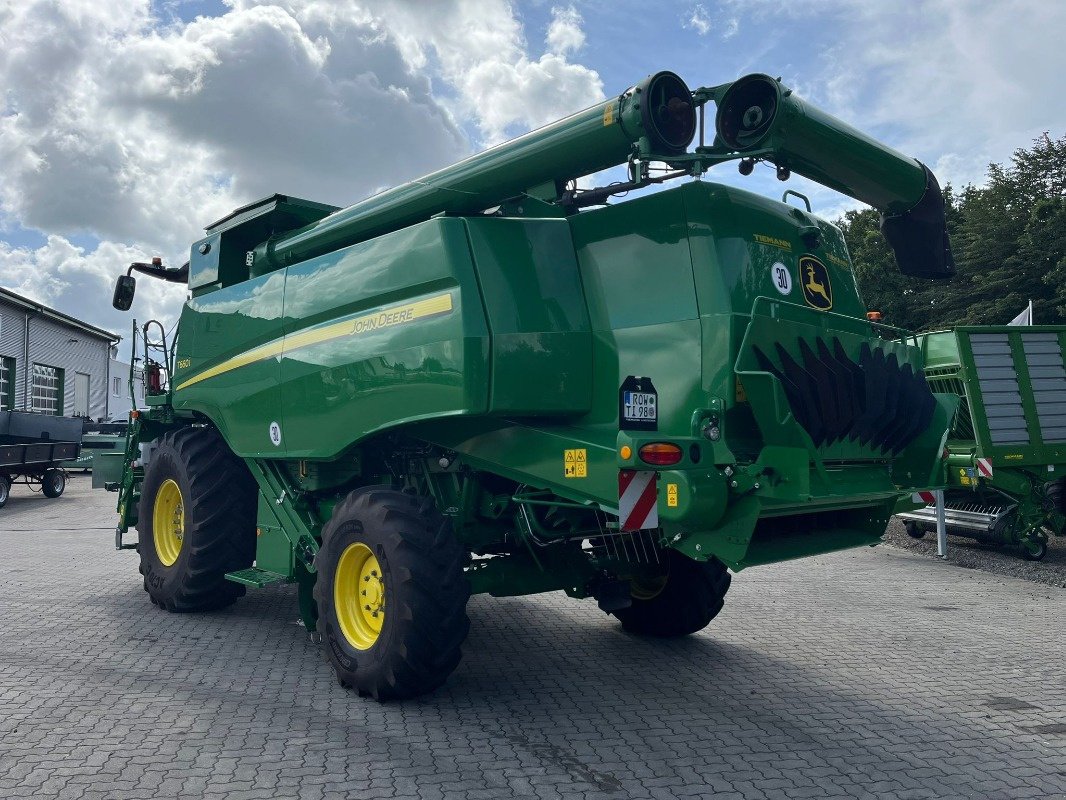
{"x": 5, "y": 490}
{"x": 195, "y": 522}
{"x": 53, "y": 482}
{"x": 693, "y": 594}
{"x": 394, "y": 557}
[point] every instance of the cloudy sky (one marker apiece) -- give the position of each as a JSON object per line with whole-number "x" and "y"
{"x": 127, "y": 126}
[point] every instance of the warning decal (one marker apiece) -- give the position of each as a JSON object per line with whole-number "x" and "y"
{"x": 575, "y": 463}
{"x": 637, "y": 500}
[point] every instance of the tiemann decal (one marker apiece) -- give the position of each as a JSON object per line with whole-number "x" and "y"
{"x": 773, "y": 241}
{"x": 368, "y": 323}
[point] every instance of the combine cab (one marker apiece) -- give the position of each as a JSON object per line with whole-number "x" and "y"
{"x": 488, "y": 381}
{"x": 1007, "y": 446}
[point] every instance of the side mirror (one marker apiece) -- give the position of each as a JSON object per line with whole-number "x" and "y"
{"x": 125, "y": 287}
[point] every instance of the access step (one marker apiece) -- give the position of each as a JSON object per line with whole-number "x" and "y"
{"x": 966, "y": 518}
{"x": 253, "y": 576}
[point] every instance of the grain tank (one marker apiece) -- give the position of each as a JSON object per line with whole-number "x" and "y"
{"x": 488, "y": 380}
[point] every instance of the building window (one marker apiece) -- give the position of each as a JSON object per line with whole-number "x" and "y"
{"x": 47, "y": 389}
{"x": 7, "y": 384}
{"x": 116, "y": 387}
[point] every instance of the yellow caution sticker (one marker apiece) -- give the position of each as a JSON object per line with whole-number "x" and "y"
{"x": 671, "y": 495}
{"x": 741, "y": 395}
{"x": 575, "y": 463}
{"x": 608, "y": 114}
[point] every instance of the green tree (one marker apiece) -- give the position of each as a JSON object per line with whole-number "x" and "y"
{"x": 1009, "y": 241}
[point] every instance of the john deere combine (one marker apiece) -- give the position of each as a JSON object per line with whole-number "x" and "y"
{"x": 489, "y": 381}
{"x": 1006, "y": 467}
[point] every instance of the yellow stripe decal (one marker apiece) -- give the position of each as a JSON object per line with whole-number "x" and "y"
{"x": 379, "y": 320}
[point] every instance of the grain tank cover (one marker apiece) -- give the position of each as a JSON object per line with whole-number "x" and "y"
{"x": 220, "y": 258}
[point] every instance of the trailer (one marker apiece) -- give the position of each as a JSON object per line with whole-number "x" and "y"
{"x": 1006, "y": 463}
{"x": 33, "y": 448}
{"x": 99, "y": 438}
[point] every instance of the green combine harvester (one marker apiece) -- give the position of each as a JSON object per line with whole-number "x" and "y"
{"x": 1006, "y": 465}
{"x": 491, "y": 381}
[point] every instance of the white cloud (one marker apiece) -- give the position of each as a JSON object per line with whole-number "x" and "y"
{"x": 121, "y": 127}
{"x": 150, "y": 134}
{"x": 480, "y": 51}
{"x": 564, "y": 32}
{"x": 700, "y": 20}
{"x": 957, "y": 85}
{"x": 63, "y": 275}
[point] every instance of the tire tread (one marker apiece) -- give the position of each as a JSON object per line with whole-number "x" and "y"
{"x": 693, "y": 596}
{"x": 221, "y": 502}
{"x": 426, "y": 562}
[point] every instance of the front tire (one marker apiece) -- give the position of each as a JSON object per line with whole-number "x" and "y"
{"x": 195, "y": 522}
{"x": 5, "y": 490}
{"x": 391, "y": 594}
{"x": 691, "y": 596}
{"x": 53, "y": 482}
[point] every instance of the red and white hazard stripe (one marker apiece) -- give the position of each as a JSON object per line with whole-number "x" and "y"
{"x": 638, "y": 506}
{"x": 923, "y": 497}
{"x": 984, "y": 467}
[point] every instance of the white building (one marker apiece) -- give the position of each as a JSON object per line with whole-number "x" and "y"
{"x": 51, "y": 362}
{"x": 120, "y": 401}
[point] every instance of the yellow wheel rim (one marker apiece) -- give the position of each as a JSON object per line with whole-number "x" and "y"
{"x": 649, "y": 589}
{"x": 359, "y": 596}
{"x": 168, "y": 522}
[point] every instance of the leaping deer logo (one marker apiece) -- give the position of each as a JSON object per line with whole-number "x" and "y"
{"x": 817, "y": 290}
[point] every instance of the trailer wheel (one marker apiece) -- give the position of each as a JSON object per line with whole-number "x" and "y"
{"x": 196, "y": 521}
{"x": 1036, "y": 546}
{"x": 1056, "y": 493}
{"x": 690, "y": 597}
{"x": 1034, "y": 549}
{"x": 5, "y": 490}
{"x": 391, "y": 594}
{"x": 914, "y": 530}
{"x": 53, "y": 482}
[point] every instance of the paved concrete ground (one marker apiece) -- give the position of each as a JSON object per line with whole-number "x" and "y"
{"x": 873, "y": 673}
{"x": 999, "y": 558}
